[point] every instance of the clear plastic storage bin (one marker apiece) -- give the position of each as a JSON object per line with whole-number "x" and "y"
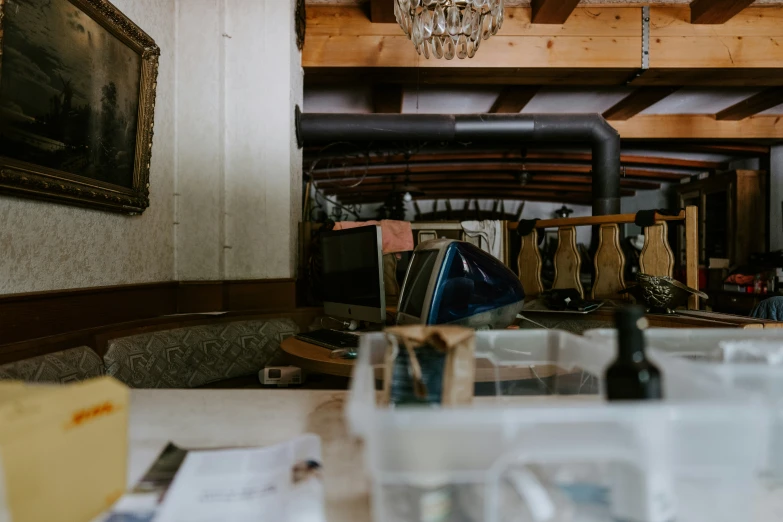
{"x": 699, "y": 346}
{"x": 539, "y": 443}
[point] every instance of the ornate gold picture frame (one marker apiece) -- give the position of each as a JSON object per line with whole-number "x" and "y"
{"x": 77, "y": 102}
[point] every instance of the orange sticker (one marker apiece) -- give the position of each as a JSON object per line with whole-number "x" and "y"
{"x": 81, "y": 416}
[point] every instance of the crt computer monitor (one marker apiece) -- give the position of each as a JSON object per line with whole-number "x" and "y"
{"x": 454, "y": 282}
{"x": 352, "y": 274}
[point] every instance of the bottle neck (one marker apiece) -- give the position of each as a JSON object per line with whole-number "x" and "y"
{"x": 630, "y": 345}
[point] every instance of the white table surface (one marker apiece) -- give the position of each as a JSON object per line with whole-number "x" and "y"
{"x": 220, "y": 418}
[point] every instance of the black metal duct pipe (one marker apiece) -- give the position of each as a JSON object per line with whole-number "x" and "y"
{"x": 582, "y": 128}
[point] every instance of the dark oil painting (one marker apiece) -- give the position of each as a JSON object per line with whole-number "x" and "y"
{"x": 69, "y": 92}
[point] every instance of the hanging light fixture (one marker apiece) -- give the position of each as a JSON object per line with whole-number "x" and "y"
{"x": 449, "y": 28}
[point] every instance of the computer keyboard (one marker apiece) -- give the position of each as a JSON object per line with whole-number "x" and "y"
{"x": 332, "y": 339}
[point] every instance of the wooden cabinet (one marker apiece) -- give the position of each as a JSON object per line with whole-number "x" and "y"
{"x": 733, "y": 214}
{"x": 735, "y": 302}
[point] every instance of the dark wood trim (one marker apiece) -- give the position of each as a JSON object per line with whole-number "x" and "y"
{"x": 382, "y": 12}
{"x": 716, "y": 11}
{"x": 552, "y": 11}
{"x": 513, "y": 98}
{"x": 387, "y": 97}
{"x": 98, "y": 338}
{"x": 41, "y": 314}
{"x": 639, "y": 100}
{"x": 44, "y": 314}
{"x": 766, "y": 99}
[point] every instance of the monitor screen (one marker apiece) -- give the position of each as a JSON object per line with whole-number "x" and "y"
{"x": 419, "y": 274}
{"x": 353, "y": 272}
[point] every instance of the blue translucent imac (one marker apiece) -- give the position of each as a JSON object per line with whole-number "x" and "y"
{"x": 453, "y": 282}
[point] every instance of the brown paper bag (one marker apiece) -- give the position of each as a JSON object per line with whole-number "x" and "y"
{"x": 63, "y": 449}
{"x": 421, "y": 344}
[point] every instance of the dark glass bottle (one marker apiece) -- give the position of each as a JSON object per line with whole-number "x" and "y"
{"x": 631, "y": 377}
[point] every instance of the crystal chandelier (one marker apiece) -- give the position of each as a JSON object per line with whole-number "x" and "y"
{"x": 449, "y": 28}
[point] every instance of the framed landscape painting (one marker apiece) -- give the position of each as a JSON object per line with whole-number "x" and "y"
{"x": 77, "y": 99}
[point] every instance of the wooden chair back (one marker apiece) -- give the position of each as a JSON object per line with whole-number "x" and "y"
{"x": 657, "y": 257}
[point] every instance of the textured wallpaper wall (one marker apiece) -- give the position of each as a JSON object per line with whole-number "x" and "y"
{"x": 47, "y": 246}
{"x": 238, "y": 181}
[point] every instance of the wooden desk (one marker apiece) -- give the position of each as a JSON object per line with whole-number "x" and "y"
{"x": 604, "y": 318}
{"x": 221, "y": 418}
{"x": 316, "y": 359}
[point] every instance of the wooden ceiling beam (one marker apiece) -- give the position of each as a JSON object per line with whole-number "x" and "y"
{"x": 482, "y": 177}
{"x": 629, "y": 172}
{"x": 716, "y": 11}
{"x": 465, "y": 186}
{"x": 727, "y": 149}
{"x": 628, "y": 159}
{"x": 382, "y": 12}
{"x": 513, "y": 98}
{"x": 387, "y": 98}
{"x": 766, "y": 99}
{"x": 639, "y": 100}
{"x": 475, "y": 185}
{"x": 552, "y": 11}
{"x": 700, "y": 126}
{"x": 452, "y": 169}
{"x": 471, "y": 196}
{"x": 596, "y": 46}
{"x": 534, "y": 157}
{"x": 344, "y": 37}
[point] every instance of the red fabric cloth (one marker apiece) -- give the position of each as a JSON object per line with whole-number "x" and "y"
{"x": 397, "y": 235}
{"x": 741, "y": 279}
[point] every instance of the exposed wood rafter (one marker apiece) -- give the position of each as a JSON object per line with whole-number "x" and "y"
{"x": 513, "y": 99}
{"x": 549, "y": 178}
{"x": 479, "y": 169}
{"x": 382, "y": 12}
{"x": 697, "y": 126}
{"x": 387, "y": 98}
{"x": 762, "y": 101}
{"x": 552, "y": 11}
{"x": 716, "y": 11}
{"x": 638, "y": 101}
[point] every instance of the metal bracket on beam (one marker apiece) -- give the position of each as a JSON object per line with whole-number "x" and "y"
{"x": 645, "y": 37}
{"x": 645, "y": 46}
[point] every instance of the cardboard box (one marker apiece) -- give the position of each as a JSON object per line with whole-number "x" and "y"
{"x": 63, "y": 450}
{"x": 456, "y": 346}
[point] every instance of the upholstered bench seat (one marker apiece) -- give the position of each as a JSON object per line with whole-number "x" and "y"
{"x": 75, "y": 364}
{"x": 198, "y": 355}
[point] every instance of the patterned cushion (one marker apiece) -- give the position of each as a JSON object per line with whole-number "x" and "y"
{"x": 75, "y": 364}
{"x": 198, "y": 355}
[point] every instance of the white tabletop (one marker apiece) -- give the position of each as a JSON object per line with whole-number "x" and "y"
{"x": 220, "y": 418}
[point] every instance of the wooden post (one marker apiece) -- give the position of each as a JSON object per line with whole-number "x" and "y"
{"x": 692, "y": 253}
